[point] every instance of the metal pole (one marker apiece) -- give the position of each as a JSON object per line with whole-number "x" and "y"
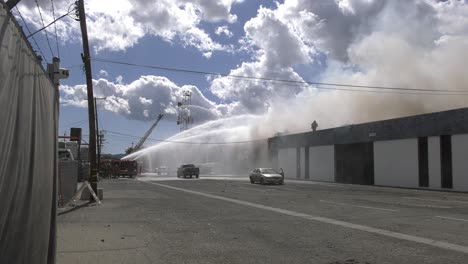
{"x": 99, "y": 135}
{"x": 89, "y": 84}
{"x": 98, "y": 139}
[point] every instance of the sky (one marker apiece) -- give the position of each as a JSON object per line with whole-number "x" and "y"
{"x": 415, "y": 44}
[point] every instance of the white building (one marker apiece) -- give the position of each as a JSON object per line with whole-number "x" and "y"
{"x": 427, "y": 151}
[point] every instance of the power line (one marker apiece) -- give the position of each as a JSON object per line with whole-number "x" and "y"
{"x": 189, "y": 143}
{"x": 51, "y": 23}
{"x": 76, "y": 66}
{"x": 55, "y": 25}
{"x": 284, "y": 81}
{"x": 465, "y": 93}
{"x": 29, "y": 31}
{"x": 43, "y": 24}
{"x": 77, "y": 122}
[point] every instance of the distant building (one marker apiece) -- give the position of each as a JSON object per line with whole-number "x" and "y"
{"x": 424, "y": 151}
{"x": 70, "y": 145}
{"x": 84, "y": 153}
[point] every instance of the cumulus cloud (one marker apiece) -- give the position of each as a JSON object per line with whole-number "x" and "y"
{"x": 223, "y": 30}
{"x": 123, "y": 23}
{"x": 103, "y": 73}
{"x": 144, "y": 99}
{"x": 215, "y": 11}
{"x": 276, "y": 49}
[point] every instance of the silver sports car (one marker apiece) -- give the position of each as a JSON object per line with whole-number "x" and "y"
{"x": 266, "y": 175}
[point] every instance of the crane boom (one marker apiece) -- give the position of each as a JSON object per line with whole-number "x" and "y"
{"x": 140, "y": 143}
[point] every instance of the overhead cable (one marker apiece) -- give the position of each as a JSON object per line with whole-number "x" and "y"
{"x": 29, "y": 31}
{"x": 55, "y": 25}
{"x": 76, "y": 122}
{"x": 43, "y": 24}
{"x": 51, "y": 23}
{"x": 320, "y": 85}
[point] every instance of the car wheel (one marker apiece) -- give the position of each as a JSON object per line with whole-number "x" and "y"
{"x": 251, "y": 180}
{"x": 262, "y": 181}
{"x": 191, "y": 176}
{"x": 196, "y": 176}
{"x": 281, "y": 183}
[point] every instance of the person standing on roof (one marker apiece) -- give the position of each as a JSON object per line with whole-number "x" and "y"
{"x": 314, "y": 126}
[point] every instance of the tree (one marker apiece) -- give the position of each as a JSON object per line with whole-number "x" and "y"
{"x": 129, "y": 150}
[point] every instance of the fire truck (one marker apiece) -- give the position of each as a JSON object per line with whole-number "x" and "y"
{"x": 126, "y": 168}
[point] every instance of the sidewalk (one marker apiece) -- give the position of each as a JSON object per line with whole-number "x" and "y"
{"x": 106, "y": 233}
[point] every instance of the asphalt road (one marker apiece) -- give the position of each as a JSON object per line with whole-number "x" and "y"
{"x": 226, "y": 220}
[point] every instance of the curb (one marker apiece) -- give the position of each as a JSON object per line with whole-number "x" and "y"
{"x": 71, "y": 209}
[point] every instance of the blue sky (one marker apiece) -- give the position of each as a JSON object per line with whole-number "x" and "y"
{"x": 381, "y": 42}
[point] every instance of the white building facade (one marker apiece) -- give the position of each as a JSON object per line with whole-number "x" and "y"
{"x": 427, "y": 151}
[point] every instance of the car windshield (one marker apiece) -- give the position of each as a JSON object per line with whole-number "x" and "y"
{"x": 268, "y": 171}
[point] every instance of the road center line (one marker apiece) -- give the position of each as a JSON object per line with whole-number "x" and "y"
{"x": 452, "y": 218}
{"x": 435, "y": 200}
{"x": 416, "y": 239}
{"x": 360, "y": 206}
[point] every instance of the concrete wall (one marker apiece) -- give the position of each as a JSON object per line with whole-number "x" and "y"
{"x": 68, "y": 173}
{"x": 396, "y": 163}
{"x": 322, "y": 163}
{"x": 287, "y": 161}
{"x": 460, "y": 162}
{"x": 433, "y": 148}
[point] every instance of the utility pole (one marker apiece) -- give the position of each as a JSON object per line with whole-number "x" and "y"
{"x": 98, "y": 165}
{"x": 91, "y": 111}
{"x": 98, "y": 135}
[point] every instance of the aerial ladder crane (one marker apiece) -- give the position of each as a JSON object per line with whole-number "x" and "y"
{"x": 140, "y": 143}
